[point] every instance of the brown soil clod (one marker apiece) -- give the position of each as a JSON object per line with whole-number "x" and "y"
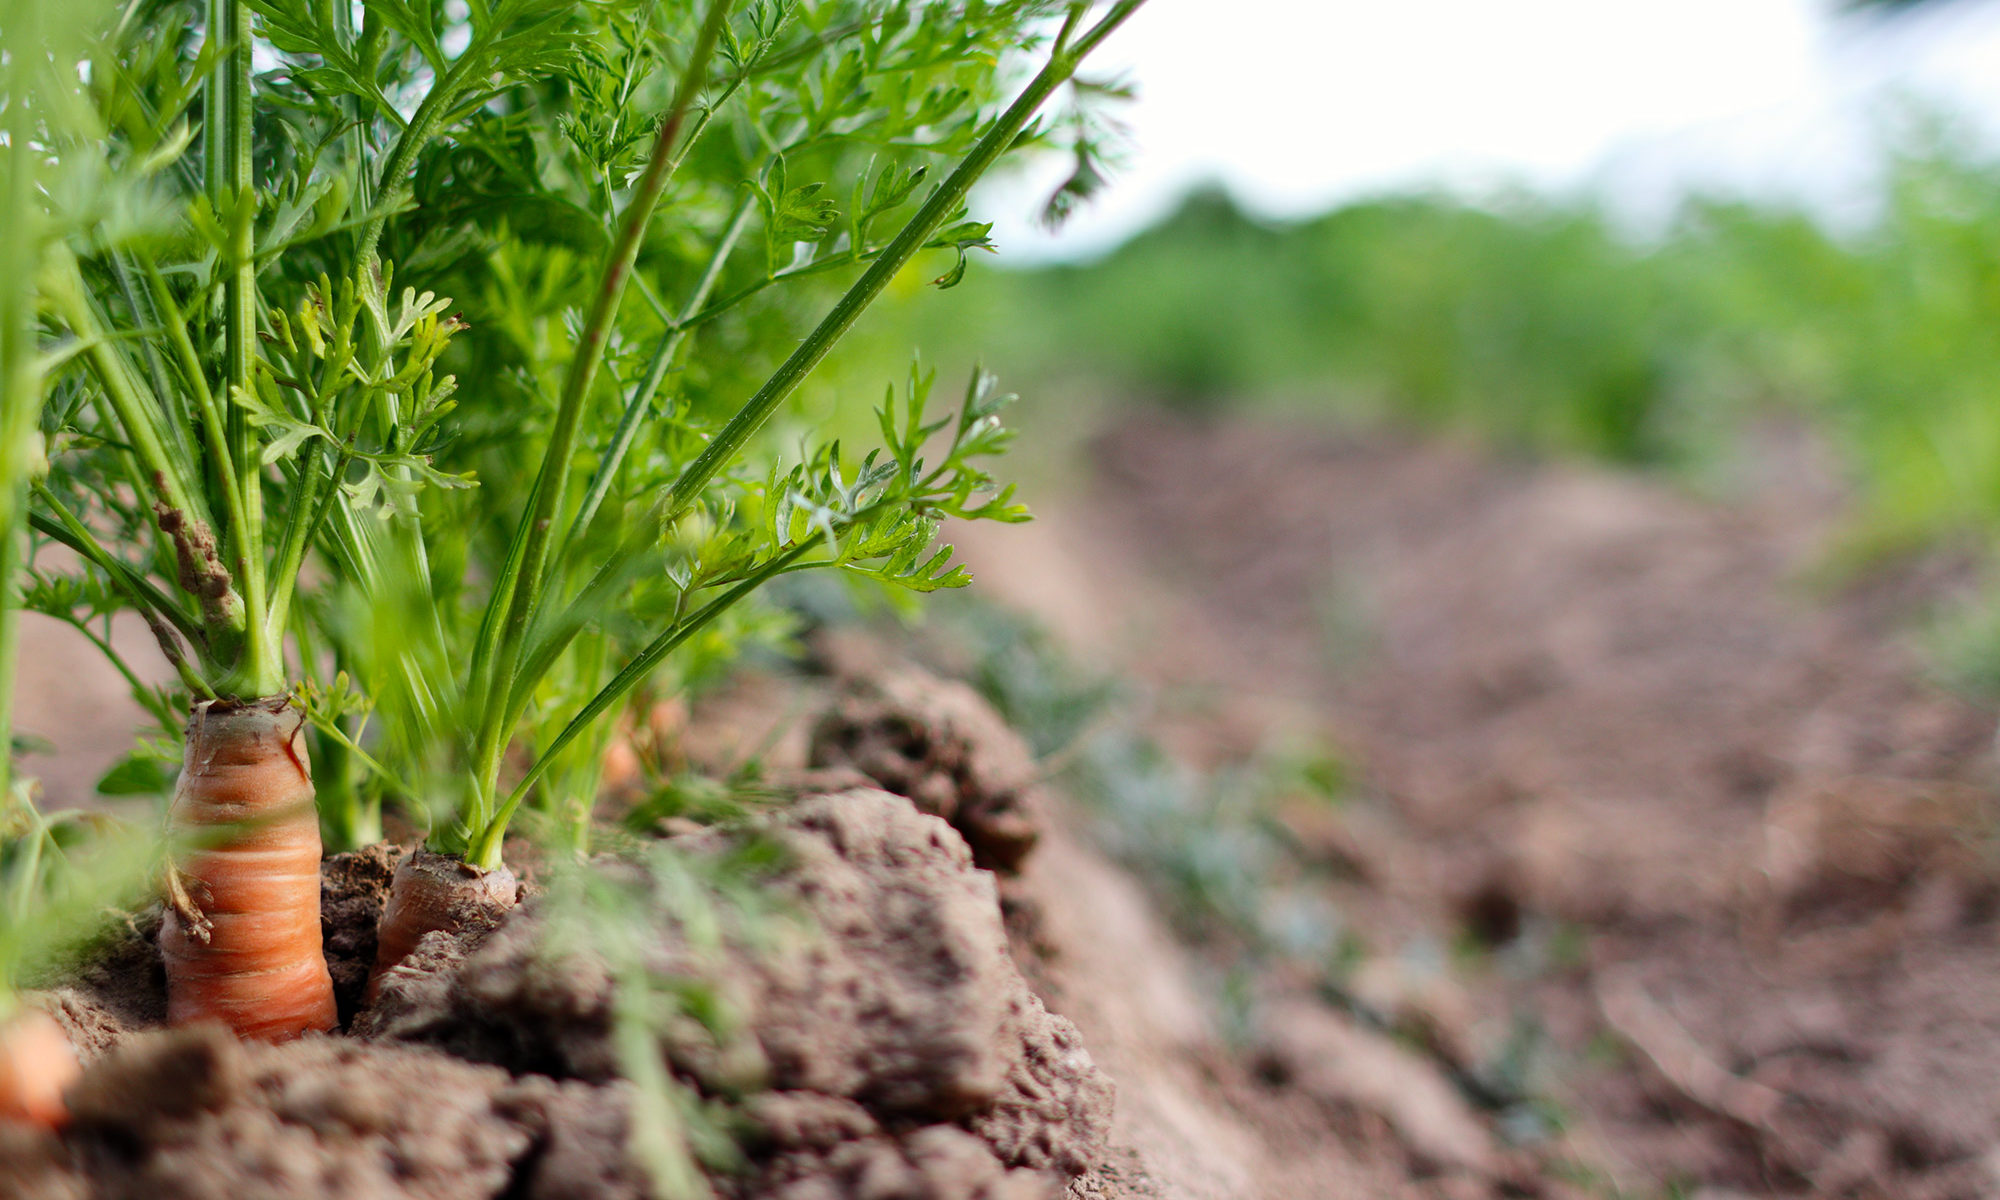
{"x": 193, "y": 1113}
{"x": 161, "y": 1077}
{"x": 119, "y": 986}
{"x": 353, "y": 889}
{"x": 939, "y": 743}
{"x": 894, "y": 1014}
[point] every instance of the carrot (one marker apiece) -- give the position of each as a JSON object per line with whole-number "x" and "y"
{"x": 242, "y": 937}
{"x": 36, "y": 1064}
{"x": 434, "y": 892}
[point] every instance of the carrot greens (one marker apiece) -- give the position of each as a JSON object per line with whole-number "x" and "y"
{"x": 460, "y": 534}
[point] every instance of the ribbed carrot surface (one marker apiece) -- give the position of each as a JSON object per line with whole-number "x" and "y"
{"x": 246, "y": 790}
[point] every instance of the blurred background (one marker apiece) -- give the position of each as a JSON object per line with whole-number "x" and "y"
{"x": 1515, "y": 492}
{"x": 1618, "y": 230}
{"x": 1625, "y": 231}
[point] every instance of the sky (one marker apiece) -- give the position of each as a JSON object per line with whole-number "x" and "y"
{"x": 1296, "y": 105}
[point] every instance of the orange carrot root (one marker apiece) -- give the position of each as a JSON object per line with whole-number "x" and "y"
{"x": 242, "y": 937}
{"x": 435, "y": 892}
{"x": 36, "y": 1064}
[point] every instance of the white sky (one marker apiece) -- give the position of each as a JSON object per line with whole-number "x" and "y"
{"x": 1299, "y": 104}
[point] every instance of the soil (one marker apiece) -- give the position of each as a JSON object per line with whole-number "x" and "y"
{"x": 1662, "y": 827}
{"x": 879, "y": 1042}
{"x": 1664, "y": 869}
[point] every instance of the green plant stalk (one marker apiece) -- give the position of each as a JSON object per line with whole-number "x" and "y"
{"x": 227, "y": 165}
{"x": 220, "y": 462}
{"x": 312, "y": 506}
{"x": 144, "y": 316}
{"x": 621, "y": 442}
{"x": 149, "y": 600}
{"x": 585, "y": 769}
{"x": 174, "y": 325}
{"x": 302, "y": 516}
{"x": 486, "y": 851}
{"x": 391, "y": 186}
{"x": 155, "y": 471}
{"x": 20, "y": 388}
{"x": 1062, "y": 64}
{"x": 656, "y": 371}
{"x": 348, "y": 818}
{"x": 63, "y": 291}
{"x": 260, "y": 671}
{"x": 520, "y": 584}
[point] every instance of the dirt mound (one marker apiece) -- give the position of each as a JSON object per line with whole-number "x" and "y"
{"x": 1321, "y": 1106}
{"x": 120, "y": 985}
{"x": 936, "y": 742}
{"x": 197, "y": 1114}
{"x": 885, "y": 1046}
{"x": 896, "y": 1009}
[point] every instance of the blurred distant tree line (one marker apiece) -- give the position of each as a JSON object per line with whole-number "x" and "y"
{"x": 1540, "y": 323}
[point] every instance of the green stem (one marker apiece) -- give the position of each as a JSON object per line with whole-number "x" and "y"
{"x": 521, "y": 581}
{"x": 904, "y": 246}
{"x": 692, "y": 321}
{"x": 20, "y": 385}
{"x": 656, "y": 371}
{"x": 301, "y": 504}
{"x": 213, "y": 419}
{"x": 333, "y": 731}
{"x": 231, "y": 191}
{"x": 136, "y": 412}
{"x": 153, "y": 471}
{"x": 486, "y": 850}
{"x": 145, "y": 318}
{"x": 349, "y": 818}
{"x": 391, "y": 186}
{"x": 65, "y": 528}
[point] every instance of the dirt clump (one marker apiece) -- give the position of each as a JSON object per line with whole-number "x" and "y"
{"x": 815, "y": 1147}
{"x": 939, "y": 743}
{"x": 35, "y": 1165}
{"x": 353, "y": 888}
{"x": 892, "y": 1016}
{"x": 116, "y": 986}
{"x": 194, "y": 1113}
{"x": 880, "y": 1043}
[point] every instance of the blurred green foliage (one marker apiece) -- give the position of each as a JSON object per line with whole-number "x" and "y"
{"x": 1539, "y": 323}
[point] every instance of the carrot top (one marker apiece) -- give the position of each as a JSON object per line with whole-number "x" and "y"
{"x": 463, "y": 532}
